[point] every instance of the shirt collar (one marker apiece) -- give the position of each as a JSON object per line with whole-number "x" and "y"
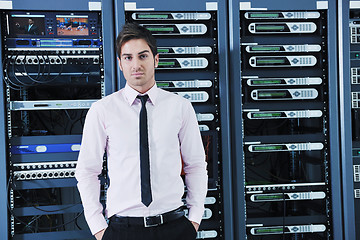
{"x": 131, "y": 94}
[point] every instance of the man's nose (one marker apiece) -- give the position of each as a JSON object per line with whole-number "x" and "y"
{"x": 136, "y": 63}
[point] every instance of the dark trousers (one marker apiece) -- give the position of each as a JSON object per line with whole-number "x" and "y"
{"x": 179, "y": 229}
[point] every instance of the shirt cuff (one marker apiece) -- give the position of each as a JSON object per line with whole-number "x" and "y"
{"x": 195, "y": 214}
{"x": 97, "y": 224}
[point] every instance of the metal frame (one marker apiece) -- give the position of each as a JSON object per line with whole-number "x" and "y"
{"x": 107, "y": 10}
{"x": 238, "y": 168}
{"x": 238, "y": 179}
{"x": 190, "y": 5}
{"x": 335, "y": 164}
{"x": 110, "y": 64}
{"x": 345, "y": 119}
{"x": 4, "y": 227}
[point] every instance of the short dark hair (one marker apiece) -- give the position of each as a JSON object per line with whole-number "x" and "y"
{"x": 135, "y": 31}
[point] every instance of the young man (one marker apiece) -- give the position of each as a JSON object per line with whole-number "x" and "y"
{"x": 144, "y": 198}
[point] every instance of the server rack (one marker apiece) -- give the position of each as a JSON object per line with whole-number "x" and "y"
{"x": 285, "y": 120}
{"x": 51, "y": 77}
{"x": 193, "y": 63}
{"x": 348, "y": 84}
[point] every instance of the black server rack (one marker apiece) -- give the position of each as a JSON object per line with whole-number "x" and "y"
{"x": 53, "y": 72}
{"x": 354, "y": 85}
{"x": 188, "y": 66}
{"x": 284, "y": 81}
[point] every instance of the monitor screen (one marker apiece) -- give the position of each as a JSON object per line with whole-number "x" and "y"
{"x": 26, "y": 25}
{"x": 71, "y": 25}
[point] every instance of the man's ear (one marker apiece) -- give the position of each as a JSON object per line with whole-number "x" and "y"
{"x": 119, "y": 62}
{"x": 156, "y": 60}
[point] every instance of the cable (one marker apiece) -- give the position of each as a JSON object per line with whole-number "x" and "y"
{"x": 79, "y": 119}
{"x": 38, "y": 216}
{"x": 87, "y": 68}
{"x": 17, "y": 79}
{"x": 283, "y": 180}
{"x": 36, "y": 80}
{"x": 47, "y": 63}
{"x": 61, "y": 69}
{"x": 7, "y": 76}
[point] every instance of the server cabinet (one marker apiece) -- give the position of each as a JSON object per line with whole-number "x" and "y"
{"x": 53, "y": 71}
{"x": 285, "y": 120}
{"x": 349, "y": 89}
{"x": 191, "y": 39}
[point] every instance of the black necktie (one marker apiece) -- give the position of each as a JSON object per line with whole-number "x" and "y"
{"x": 146, "y": 197}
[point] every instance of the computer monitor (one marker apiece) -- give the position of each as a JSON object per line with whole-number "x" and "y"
{"x": 26, "y": 25}
{"x": 72, "y": 25}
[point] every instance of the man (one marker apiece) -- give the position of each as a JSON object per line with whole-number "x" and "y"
{"x": 146, "y": 188}
{"x": 30, "y": 28}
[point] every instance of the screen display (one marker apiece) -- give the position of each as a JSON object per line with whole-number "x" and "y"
{"x": 269, "y": 197}
{"x": 265, "y": 48}
{"x": 71, "y": 25}
{"x": 266, "y": 115}
{"x": 270, "y": 27}
{"x": 265, "y": 15}
{"x": 269, "y": 148}
{"x": 26, "y": 25}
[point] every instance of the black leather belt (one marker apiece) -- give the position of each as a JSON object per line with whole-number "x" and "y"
{"x": 151, "y": 221}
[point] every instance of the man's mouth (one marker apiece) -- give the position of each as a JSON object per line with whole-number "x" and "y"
{"x": 137, "y": 74}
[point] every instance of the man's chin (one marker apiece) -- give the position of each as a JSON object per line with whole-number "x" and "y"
{"x": 138, "y": 77}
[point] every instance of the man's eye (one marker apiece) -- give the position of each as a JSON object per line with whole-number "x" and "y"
{"x": 127, "y": 58}
{"x": 143, "y": 56}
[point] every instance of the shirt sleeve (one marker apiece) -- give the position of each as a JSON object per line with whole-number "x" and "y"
{"x": 89, "y": 166}
{"x": 193, "y": 156}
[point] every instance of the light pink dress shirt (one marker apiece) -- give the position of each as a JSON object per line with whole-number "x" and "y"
{"x": 112, "y": 123}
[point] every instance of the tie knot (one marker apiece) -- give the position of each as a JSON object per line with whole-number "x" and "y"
{"x": 143, "y": 98}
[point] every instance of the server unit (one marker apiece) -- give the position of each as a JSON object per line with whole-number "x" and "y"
{"x": 190, "y": 47}
{"x": 285, "y": 113}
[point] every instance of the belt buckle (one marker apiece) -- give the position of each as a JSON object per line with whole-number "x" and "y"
{"x": 153, "y": 225}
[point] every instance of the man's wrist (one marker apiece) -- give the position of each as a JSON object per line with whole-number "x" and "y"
{"x": 196, "y": 225}
{"x": 99, "y": 234}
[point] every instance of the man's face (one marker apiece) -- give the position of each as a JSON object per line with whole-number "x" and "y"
{"x": 138, "y": 64}
{"x": 31, "y": 21}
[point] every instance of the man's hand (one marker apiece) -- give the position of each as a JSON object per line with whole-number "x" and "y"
{"x": 196, "y": 225}
{"x": 100, "y": 234}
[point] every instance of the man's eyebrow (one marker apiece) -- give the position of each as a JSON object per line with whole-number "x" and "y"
{"x": 145, "y": 51}
{"x": 129, "y": 54}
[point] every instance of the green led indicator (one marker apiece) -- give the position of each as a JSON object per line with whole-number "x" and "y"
{"x": 272, "y": 94}
{"x": 153, "y": 16}
{"x": 166, "y": 63}
{"x": 270, "y": 230}
{"x": 160, "y": 29}
{"x": 269, "y": 27}
{"x": 163, "y": 50}
{"x": 264, "y": 15}
{"x": 266, "y": 148}
{"x": 269, "y": 197}
{"x": 270, "y": 61}
{"x": 263, "y": 82}
{"x": 269, "y": 115}
{"x": 162, "y": 84}
{"x": 265, "y": 48}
